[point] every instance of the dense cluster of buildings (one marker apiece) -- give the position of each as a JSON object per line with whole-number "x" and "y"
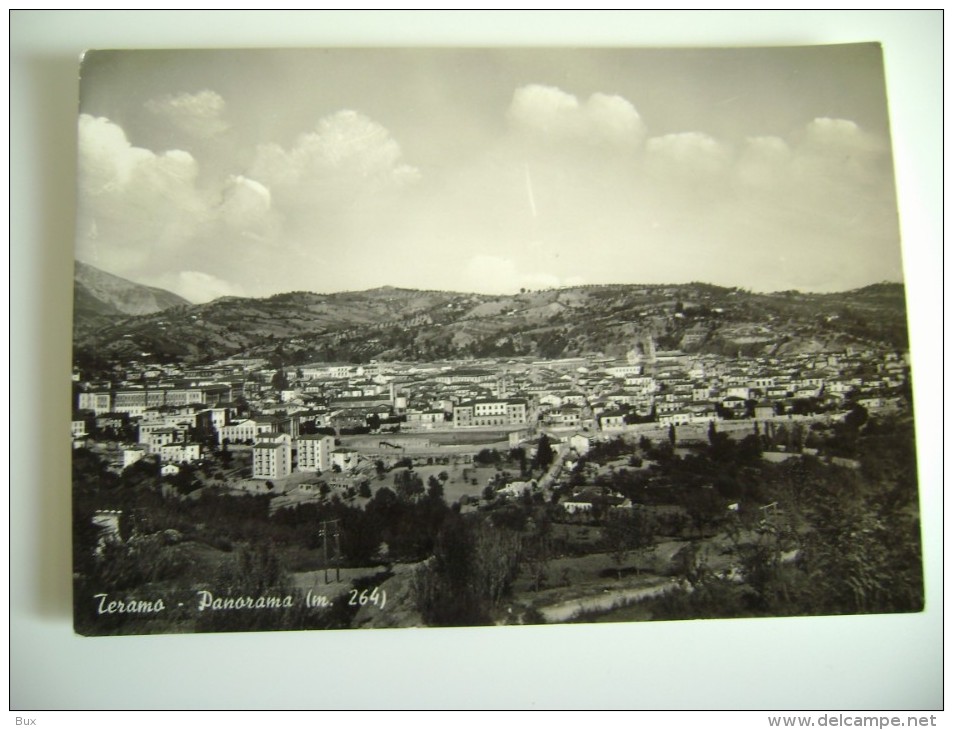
{"x": 288, "y": 417}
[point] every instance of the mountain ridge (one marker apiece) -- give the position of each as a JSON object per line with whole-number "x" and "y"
{"x": 409, "y": 324}
{"x": 100, "y": 296}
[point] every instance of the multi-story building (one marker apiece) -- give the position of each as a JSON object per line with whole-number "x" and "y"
{"x": 624, "y": 371}
{"x": 155, "y": 436}
{"x": 239, "y": 432}
{"x": 98, "y": 402}
{"x": 490, "y": 412}
{"x": 135, "y": 401}
{"x": 425, "y": 419}
{"x": 271, "y": 460}
{"x": 212, "y": 420}
{"x": 176, "y": 453}
{"x": 314, "y": 452}
{"x": 251, "y": 429}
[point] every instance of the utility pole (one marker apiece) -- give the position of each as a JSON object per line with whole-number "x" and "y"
{"x": 326, "y": 530}
{"x": 324, "y": 540}
{"x": 337, "y": 552}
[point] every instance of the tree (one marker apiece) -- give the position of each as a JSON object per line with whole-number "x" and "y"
{"x": 704, "y": 507}
{"x": 210, "y": 439}
{"x": 796, "y": 437}
{"x": 226, "y": 454}
{"x": 671, "y": 434}
{"x": 279, "y": 381}
{"x": 140, "y": 472}
{"x": 519, "y": 455}
{"x": 544, "y": 453}
{"x": 856, "y": 418}
{"x": 623, "y": 533}
{"x": 690, "y": 564}
{"x": 863, "y": 553}
{"x": 185, "y": 481}
{"x": 434, "y": 488}
{"x": 408, "y": 484}
{"x": 445, "y": 587}
{"x": 242, "y": 405}
{"x": 538, "y": 553}
{"x": 496, "y": 561}
{"x": 712, "y": 431}
{"x": 487, "y": 457}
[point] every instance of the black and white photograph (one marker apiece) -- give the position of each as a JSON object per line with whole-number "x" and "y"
{"x": 452, "y": 337}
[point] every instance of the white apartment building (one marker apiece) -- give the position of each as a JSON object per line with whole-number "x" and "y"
{"x": 271, "y": 460}
{"x": 314, "y": 452}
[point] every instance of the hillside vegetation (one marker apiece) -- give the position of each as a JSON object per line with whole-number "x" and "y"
{"x": 402, "y": 324}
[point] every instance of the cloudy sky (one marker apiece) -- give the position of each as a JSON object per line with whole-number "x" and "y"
{"x": 255, "y": 172}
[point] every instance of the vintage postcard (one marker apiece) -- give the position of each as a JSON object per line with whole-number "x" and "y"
{"x": 380, "y": 338}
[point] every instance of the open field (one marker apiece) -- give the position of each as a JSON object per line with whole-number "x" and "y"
{"x": 455, "y": 487}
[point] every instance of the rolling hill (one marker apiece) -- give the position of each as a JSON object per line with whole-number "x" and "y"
{"x": 403, "y": 324}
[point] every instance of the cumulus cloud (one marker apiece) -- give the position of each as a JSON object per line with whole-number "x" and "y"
{"x": 544, "y": 108}
{"x": 144, "y": 213}
{"x": 199, "y": 115}
{"x": 108, "y": 162}
{"x": 572, "y": 184}
{"x": 246, "y": 204}
{"x": 835, "y": 150}
{"x": 345, "y": 158}
{"x": 136, "y": 204}
{"x": 824, "y": 133}
{"x": 614, "y": 119}
{"x": 551, "y": 113}
{"x": 687, "y": 155}
{"x": 106, "y": 158}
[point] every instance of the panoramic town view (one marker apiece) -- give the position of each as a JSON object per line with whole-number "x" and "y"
{"x": 670, "y": 475}
{"x": 381, "y": 338}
